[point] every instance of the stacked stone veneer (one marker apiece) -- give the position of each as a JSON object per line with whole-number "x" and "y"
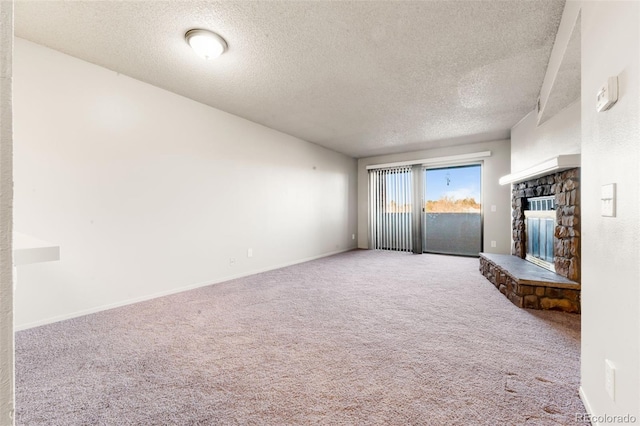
{"x": 565, "y": 186}
{"x": 547, "y": 296}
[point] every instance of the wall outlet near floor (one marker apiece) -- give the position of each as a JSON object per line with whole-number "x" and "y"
{"x": 249, "y": 252}
{"x": 353, "y": 236}
{"x": 610, "y": 378}
{"x": 493, "y": 244}
{"x": 232, "y": 261}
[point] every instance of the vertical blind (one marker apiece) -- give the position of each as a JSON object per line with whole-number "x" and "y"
{"x": 390, "y": 208}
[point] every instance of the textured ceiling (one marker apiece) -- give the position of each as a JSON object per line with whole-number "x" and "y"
{"x": 362, "y": 78}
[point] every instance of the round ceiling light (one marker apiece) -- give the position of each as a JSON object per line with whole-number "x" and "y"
{"x": 205, "y": 43}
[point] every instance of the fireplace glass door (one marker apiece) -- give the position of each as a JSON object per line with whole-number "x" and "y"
{"x": 540, "y": 228}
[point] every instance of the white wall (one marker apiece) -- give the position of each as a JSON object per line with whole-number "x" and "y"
{"x": 559, "y": 135}
{"x": 497, "y": 225}
{"x": 611, "y": 246}
{"x": 6, "y": 212}
{"x": 147, "y": 192}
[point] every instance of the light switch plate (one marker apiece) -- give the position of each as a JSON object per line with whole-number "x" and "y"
{"x": 607, "y": 94}
{"x": 608, "y": 200}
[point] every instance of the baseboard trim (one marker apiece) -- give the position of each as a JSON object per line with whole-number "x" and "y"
{"x": 100, "y": 308}
{"x": 587, "y": 406}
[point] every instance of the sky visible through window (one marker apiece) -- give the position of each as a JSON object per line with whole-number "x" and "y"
{"x": 457, "y": 183}
{"x": 452, "y": 189}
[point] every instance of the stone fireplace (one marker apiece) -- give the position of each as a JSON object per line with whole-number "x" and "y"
{"x": 564, "y": 187}
{"x": 543, "y": 271}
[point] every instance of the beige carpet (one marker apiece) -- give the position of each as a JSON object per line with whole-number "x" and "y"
{"x": 365, "y": 337}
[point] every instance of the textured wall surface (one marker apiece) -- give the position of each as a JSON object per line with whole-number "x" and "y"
{"x": 532, "y": 144}
{"x": 148, "y": 193}
{"x": 6, "y": 213}
{"x": 611, "y": 245}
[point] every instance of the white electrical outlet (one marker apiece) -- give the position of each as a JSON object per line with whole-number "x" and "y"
{"x": 610, "y": 379}
{"x": 353, "y": 236}
{"x": 493, "y": 244}
{"x": 232, "y": 261}
{"x": 493, "y": 208}
{"x": 249, "y": 252}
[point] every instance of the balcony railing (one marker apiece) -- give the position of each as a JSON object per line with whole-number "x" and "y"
{"x": 453, "y": 233}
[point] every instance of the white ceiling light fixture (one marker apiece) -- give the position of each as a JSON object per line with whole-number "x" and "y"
{"x": 205, "y": 43}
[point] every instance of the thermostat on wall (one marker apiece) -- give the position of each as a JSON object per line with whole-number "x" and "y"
{"x": 607, "y": 95}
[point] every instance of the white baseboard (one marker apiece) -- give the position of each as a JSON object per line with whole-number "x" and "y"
{"x": 172, "y": 291}
{"x": 586, "y": 404}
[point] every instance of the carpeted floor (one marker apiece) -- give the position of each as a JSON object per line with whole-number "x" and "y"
{"x": 364, "y": 337}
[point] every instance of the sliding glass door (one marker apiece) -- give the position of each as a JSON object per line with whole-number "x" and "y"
{"x": 430, "y": 210}
{"x": 451, "y": 219}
